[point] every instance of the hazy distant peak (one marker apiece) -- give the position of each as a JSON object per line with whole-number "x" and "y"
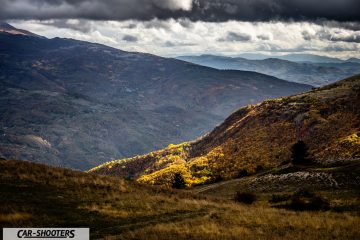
{"x": 7, "y": 28}
{"x": 5, "y": 25}
{"x": 356, "y": 60}
{"x": 294, "y": 57}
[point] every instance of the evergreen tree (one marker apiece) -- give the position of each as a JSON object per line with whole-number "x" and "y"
{"x": 178, "y": 181}
{"x": 299, "y": 153}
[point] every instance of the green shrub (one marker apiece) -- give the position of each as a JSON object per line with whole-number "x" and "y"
{"x": 306, "y": 200}
{"x": 178, "y": 181}
{"x": 245, "y": 197}
{"x": 304, "y": 193}
{"x": 302, "y": 200}
{"x": 242, "y": 173}
{"x": 310, "y": 204}
{"x": 216, "y": 178}
{"x": 299, "y": 153}
{"x": 279, "y": 198}
{"x": 259, "y": 168}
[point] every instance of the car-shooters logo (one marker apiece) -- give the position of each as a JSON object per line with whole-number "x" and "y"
{"x": 46, "y": 233}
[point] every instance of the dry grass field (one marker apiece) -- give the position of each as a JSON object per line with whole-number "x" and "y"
{"x": 33, "y": 195}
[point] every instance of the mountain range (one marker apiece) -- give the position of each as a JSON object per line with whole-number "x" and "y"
{"x": 313, "y": 70}
{"x": 297, "y": 57}
{"x": 77, "y": 104}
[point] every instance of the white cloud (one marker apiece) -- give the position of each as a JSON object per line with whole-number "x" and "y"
{"x": 179, "y": 37}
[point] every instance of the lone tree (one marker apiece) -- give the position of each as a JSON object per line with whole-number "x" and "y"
{"x": 299, "y": 153}
{"x": 178, "y": 181}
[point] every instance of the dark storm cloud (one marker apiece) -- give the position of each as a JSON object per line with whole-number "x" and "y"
{"x": 157, "y": 25}
{"x": 280, "y": 49}
{"x": 169, "y": 44}
{"x": 265, "y": 10}
{"x": 333, "y": 36}
{"x": 263, "y": 37}
{"x": 203, "y": 10}
{"x": 355, "y": 26}
{"x": 354, "y": 37}
{"x": 92, "y": 9}
{"x": 129, "y": 38}
{"x": 339, "y": 48}
{"x": 186, "y": 23}
{"x": 306, "y": 35}
{"x": 236, "y": 37}
{"x": 78, "y": 25}
{"x": 178, "y": 44}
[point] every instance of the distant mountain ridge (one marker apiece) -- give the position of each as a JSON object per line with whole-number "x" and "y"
{"x": 313, "y": 73}
{"x": 258, "y": 137}
{"x": 297, "y": 57}
{"x": 77, "y": 104}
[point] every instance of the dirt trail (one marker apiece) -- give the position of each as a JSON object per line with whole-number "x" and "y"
{"x": 216, "y": 185}
{"x": 151, "y": 220}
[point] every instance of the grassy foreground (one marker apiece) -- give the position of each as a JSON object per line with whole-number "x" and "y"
{"x": 34, "y": 195}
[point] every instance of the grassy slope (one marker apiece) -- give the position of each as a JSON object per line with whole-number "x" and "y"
{"x": 36, "y": 195}
{"x": 258, "y": 137}
{"x": 330, "y": 180}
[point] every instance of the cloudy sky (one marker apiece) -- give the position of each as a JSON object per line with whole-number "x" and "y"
{"x": 178, "y": 27}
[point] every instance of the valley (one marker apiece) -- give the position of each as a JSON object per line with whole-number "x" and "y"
{"x": 77, "y": 104}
